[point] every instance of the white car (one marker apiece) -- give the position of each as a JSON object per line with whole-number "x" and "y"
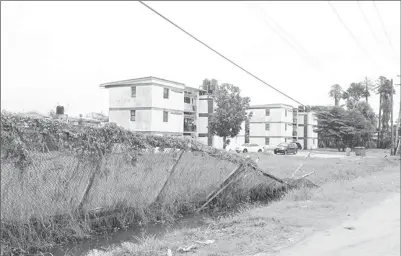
{"x": 248, "y": 147}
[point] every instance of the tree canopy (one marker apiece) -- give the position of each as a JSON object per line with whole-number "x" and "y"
{"x": 346, "y": 128}
{"x": 336, "y": 93}
{"x": 230, "y": 112}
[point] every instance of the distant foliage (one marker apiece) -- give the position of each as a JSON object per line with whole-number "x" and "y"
{"x": 346, "y": 127}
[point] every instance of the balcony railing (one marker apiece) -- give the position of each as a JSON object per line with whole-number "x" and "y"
{"x": 189, "y": 128}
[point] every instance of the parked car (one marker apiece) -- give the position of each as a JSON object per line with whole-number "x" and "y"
{"x": 247, "y": 147}
{"x": 299, "y": 145}
{"x": 286, "y": 148}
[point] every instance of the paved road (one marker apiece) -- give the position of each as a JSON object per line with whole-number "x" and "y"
{"x": 375, "y": 233}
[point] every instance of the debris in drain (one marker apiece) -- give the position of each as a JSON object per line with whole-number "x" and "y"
{"x": 187, "y": 249}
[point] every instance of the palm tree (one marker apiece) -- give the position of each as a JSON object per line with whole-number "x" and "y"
{"x": 385, "y": 90}
{"x": 369, "y": 86}
{"x": 336, "y": 93}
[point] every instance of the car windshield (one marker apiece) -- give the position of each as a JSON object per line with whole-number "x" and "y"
{"x": 245, "y": 145}
{"x": 283, "y": 144}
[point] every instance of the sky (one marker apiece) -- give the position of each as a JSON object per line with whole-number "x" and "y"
{"x": 60, "y": 52}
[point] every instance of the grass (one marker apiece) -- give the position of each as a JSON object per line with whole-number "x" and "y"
{"x": 38, "y": 204}
{"x": 259, "y": 228}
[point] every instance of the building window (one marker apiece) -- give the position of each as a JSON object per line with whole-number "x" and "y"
{"x": 133, "y": 91}
{"x": 267, "y": 141}
{"x": 286, "y": 112}
{"x": 133, "y": 114}
{"x": 165, "y": 93}
{"x": 285, "y": 127}
{"x": 285, "y": 140}
{"x": 267, "y": 112}
{"x": 165, "y": 116}
{"x": 267, "y": 127}
{"x": 187, "y": 100}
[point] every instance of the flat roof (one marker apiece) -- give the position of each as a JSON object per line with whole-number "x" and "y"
{"x": 135, "y": 80}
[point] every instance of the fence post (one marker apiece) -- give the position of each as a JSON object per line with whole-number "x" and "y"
{"x": 231, "y": 177}
{"x": 171, "y": 172}
{"x": 85, "y": 196}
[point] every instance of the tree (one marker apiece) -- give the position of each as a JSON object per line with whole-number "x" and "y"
{"x": 247, "y": 128}
{"x": 368, "y": 87}
{"x": 230, "y": 112}
{"x": 385, "y": 90}
{"x": 345, "y": 127}
{"x": 329, "y": 125}
{"x": 353, "y": 94}
{"x": 367, "y": 111}
{"x": 336, "y": 93}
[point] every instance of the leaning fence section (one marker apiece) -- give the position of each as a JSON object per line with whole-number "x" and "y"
{"x": 50, "y": 169}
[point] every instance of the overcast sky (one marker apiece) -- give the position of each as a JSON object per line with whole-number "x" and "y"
{"x": 59, "y": 52}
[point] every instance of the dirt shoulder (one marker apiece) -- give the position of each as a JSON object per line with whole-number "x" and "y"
{"x": 271, "y": 229}
{"x": 375, "y": 232}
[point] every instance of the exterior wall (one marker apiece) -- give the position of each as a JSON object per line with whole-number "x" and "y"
{"x": 120, "y": 97}
{"x": 148, "y": 104}
{"x": 142, "y": 122}
{"x": 306, "y": 136}
{"x": 277, "y": 120}
{"x": 174, "y": 124}
{"x": 175, "y": 100}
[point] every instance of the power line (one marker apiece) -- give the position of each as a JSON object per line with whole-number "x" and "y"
{"x": 303, "y": 54}
{"x": 284, "y": 38}
{"x": 351, "y": 34}
{"x": 221, "y": 55}
{"x": 367, "y": 22}
{"x": 288, "y": 34}
{"x": 346, "y": 28}
{"x": 385, "y": 31}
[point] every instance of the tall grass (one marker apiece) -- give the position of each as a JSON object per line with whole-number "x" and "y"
{"x": 39, "y": 203}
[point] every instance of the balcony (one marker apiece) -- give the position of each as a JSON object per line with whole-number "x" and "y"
{"x": 189, "y": 128}
{"x": 189, "y": 107}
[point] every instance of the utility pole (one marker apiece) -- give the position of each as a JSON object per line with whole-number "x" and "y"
{"x": 380, "y": 121}
{"x": 392, "y": 123}
{"x": 397, "y": 140}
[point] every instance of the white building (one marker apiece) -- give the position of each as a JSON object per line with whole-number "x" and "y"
{"x": 163, "y": 107}
{"x": 305, "y": 134}
{"x": 272, "y": 124}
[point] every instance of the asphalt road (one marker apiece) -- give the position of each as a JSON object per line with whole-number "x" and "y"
{"x": 374, "y": 233}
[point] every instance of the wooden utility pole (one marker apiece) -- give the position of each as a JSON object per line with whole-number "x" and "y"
{"x": 397, "y": 139}
{"x": 380, "y": 121}
{"x": 392, "y": 123}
